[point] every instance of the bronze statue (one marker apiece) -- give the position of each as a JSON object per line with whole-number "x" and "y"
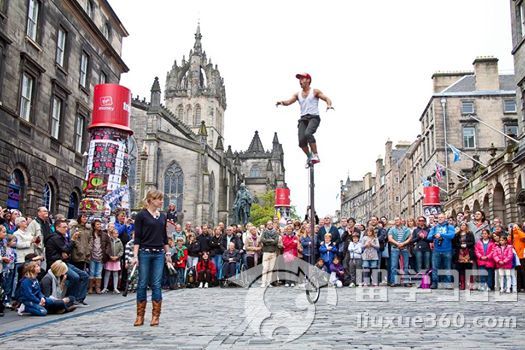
{"x": 242, "y": 205}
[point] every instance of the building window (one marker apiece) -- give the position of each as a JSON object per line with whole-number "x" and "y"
{"x": 106, "y": 30}
{"x": 197, "y": 117}
{"x": 3, "y": 6}
{"x": 16, "y": 190}
{"x": 469, "y": 137}
{"x": 520, "y": 18}
{"x": 72, "y": 210}
{"x": 255, "y": 171}
{"x": 55, "y": 117}
{"x": 79, "y": 133}
{"x": 467, "y": 107}
{"x": 180, "y": 112}
{"x": 511, "y": 130}
{"x": 84, "y": 63}
{"x": 90, "y": 8}
{"x": 509, "y": 106}
{"x": 26, "y": 97}
{"x": 103, "y": 78}
{"x": 61, "y": 47}
{"x": 47, "y": 197}
{"x": 32, "y": 19}
{"x": 173, "y": 186}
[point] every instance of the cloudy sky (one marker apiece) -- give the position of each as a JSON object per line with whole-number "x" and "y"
{"x": 374, "y": 59}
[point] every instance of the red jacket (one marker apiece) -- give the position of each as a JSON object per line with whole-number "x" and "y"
{"x": 180, "y": 261}
{"x": 206, "y": 265}
{"x": 290, "y": 244}
{"x": 478, "y": 248}
{"x": 504, "y": 254}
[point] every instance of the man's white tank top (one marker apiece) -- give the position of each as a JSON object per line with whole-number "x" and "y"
{"x": 310, "y": 104}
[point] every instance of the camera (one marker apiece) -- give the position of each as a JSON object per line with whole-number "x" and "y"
{"x": 440, "y": 241}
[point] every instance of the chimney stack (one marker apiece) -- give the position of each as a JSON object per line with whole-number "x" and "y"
{"x": 486, "y": 73}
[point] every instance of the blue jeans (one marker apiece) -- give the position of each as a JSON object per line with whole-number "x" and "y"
{"x": 441, "y": 261}
{"x": 95, "y": 269}
{"x": 217, "y": 260}
{"x": 489, "y": 279}
{"x": 151, "y": 265}
{"x": 394, "y": 262}
{"x": 180, "y": 275}
{"x": 77, "y": 282}
{"x": 52, "y": 306}
{"x": 9, "y": 276}
{"x": 422, "y": 260}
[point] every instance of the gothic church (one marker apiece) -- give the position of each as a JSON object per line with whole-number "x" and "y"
{"x": 178, "y": 145}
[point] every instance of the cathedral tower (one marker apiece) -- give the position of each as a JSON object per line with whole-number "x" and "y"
{"x": 195, "y": 92}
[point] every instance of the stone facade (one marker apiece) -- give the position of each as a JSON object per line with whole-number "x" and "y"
{"x": 179, "y": 147}
{"x": 46, "y": 96}
{"x": 446, "y": 120}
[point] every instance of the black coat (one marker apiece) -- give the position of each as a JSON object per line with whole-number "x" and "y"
{"x": 216, "y": 245}
{"x": 421, "y": 244}
{"x": 204, "y": 242}
{"x": 470, "y": 241}
{"x": 55, "y": 246}
{"x": 194, "y": 248}
{"x": 234, "y": 239}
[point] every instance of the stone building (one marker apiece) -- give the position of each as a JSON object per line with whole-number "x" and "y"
{"x": 463, "y": 110}
{"x": 178, "y": 146}
{"x": 52, "y": 54}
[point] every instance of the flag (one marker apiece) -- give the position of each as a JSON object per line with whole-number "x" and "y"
{"x": 438, "y": 172}
{"x": 456, "y": 152}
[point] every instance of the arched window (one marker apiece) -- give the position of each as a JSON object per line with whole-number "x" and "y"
{"x": 180, "y": 112}
{"x": 211, "y": 199}
{"x": 188, "y": 115}
{"x": 255, "y": 171}
{"x": 48, "y": 197}
{"x": 197, "y": 117}
{"x": 16, "y": 190}
{"x": 173, "y": 186}
{"x": 73, "y": 206}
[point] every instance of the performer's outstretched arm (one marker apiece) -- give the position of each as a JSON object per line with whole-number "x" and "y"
{"x": 325, "y": 98}
{"x": 287, "y": 102}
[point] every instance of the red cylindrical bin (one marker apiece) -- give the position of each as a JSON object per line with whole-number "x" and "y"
{"x": 431, "y": 195}
{"x": 111, "y": 107}
{"x": 282, "y": 197}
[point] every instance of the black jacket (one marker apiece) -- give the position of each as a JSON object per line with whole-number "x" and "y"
{"x": 204, "y": 242}
{"x": 55, "y": 246}
{"x": 193, "y": 249}
{"x": 470, "y": 241}
{"x": 421, "y": 244}
{"x": 216, "y": 247}
{"x": 234, "y": 239}
{"x": 228, "y": 254}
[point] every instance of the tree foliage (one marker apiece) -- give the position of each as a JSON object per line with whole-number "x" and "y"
{"x": 263, "y": 209}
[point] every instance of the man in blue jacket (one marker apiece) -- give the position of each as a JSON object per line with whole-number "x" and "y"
{"x": 442, "y": 235}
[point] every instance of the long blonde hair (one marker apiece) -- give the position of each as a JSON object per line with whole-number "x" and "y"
{"x": 151, "y": 195}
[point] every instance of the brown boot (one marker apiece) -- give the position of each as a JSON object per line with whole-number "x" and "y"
{"x": 155, "y": 314}
{"x": 141, "y": 311}
{"x": 91, "y": 285}
{"x": 98, "y": 283}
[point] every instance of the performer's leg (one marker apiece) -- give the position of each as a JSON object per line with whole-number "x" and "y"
{"x": 301, "y": 126}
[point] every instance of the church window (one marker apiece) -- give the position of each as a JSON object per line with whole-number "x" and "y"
{"x": 197, "y": 117}
{"x": 180, "y": 112}
{"x": 255, "y": 171}
{"x": 174, "y": 186}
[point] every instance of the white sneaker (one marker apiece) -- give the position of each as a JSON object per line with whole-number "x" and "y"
{"x": 103, "y": 291}
{"x": 507, "y": 290}
{"x": 200, "y": 285}
{"x": 21, "y": 309}
{"x": 206, "y": 285}
{"x": 315, "y": 159}
{"x": 501, "y": 290}
{"x": 292, "y": 284}
{"x": 286, "y": 285}
{"x": 116, "y": 291}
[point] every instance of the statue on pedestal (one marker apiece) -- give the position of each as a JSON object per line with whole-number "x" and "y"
{"x": 242, "y": 204}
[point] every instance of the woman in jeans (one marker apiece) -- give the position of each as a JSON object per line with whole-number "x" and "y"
{"x": 150, "y": 251}
{"x": 99, "y": 242}
{"x": 421, "y": 247}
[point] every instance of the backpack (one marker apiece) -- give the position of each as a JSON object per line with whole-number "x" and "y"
{"x": 191, "y": 276}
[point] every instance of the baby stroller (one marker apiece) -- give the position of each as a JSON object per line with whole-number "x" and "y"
{"x": 131, "y": 282}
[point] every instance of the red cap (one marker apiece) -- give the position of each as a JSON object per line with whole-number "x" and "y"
{"x": 303, "y": 75}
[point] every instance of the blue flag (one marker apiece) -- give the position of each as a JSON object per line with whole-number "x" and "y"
{"x": 457, "y": 156}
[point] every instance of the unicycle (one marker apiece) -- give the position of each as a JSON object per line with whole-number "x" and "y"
{"x": 312, "y": 289}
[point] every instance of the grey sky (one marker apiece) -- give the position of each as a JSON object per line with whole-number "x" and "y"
{"x": 373, "y": 58}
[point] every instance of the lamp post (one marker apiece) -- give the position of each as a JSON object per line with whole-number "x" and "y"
{"x": 444, "y": 107}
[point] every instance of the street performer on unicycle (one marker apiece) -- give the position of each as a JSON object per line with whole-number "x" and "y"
{"x": 308, "y": 99}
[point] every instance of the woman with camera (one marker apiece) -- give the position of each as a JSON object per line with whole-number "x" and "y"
{"x": 150, "y": 252}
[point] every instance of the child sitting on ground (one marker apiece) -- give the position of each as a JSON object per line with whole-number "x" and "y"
{"x": 337, "y": 273}
{"x": 206, "y": 270}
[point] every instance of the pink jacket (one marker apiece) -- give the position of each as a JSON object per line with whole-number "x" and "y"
{"x": 290, "y": 245}
{"x": 478, "y": 249}
{"x": 503, "y": 254}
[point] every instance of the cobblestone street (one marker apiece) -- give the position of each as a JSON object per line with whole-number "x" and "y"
{"x": 236, "y": 318}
